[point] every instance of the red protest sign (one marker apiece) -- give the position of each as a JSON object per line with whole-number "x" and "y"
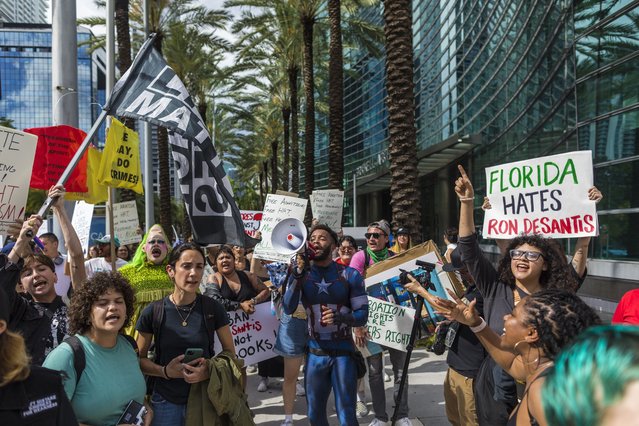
{"x": 56, "y": 147}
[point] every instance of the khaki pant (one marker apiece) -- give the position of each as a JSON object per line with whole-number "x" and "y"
{"x": 459, "y": 398}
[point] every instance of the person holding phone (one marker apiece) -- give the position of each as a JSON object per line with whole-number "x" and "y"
{"x": 183, "y": 343}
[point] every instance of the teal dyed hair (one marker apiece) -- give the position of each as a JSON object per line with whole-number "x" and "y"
{"x": 139, "y": 258}
{"x": 591, "y": 375}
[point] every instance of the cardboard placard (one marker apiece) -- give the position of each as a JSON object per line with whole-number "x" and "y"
{"x": 327, "y": 206}
{"x": 382, "y": 280}
{"x": 254, "y": 335}
{"x": 81, "y": 222}
{"x": 17, "y": 151}
{"x": 389, "y": 324}
{"x": 277, "y": 208}
{"x": 126, "y": 224}
{"x": 545, "y": 195}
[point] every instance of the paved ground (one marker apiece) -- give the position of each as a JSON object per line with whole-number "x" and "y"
{"x": 425, "y": 395}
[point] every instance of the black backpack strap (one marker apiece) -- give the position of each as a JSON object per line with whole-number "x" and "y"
{"x": 367, "y": 259}
{"x": 133, "y": 343}
{"x": 79, "y": 359}
{"x": 208, "y": 313}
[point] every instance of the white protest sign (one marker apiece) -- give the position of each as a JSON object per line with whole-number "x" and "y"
{"x": 126, "y": 222}
{"x": 327, "y": 206}
{"x": 81, "y": 222}
{"x": 17, "y": 150}
{"x": 546, "y": 195}
{"x": 254, "y": 335}
{"x": 252, "y": 220}
{"x": 277, "y": 208}
{"x": 389, "y": 324}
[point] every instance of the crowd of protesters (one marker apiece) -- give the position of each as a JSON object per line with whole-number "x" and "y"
{"x": 83, "y": 344}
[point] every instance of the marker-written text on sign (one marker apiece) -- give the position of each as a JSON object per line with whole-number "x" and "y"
{"x": 547, "y": 195}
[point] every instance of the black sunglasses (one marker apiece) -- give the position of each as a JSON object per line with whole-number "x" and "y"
{"x": 370, "y": 235}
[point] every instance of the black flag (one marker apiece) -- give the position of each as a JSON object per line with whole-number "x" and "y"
{"x": 151, "y": 91}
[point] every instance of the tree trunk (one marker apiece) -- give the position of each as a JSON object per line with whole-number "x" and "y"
{"x": 166, "y": 219}
{"x": 293, "y": 75}
{"x": 286, "y": 120}
{"x": 265, "y": 168}
{"x": 123, "y": 36}
{"x": 274, "y": 171}
{"x": 309, "y": 92}
{"x": 405, "y": 197}
{"x": 335, "y": 99}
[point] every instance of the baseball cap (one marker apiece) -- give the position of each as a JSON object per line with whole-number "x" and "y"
{"x": 381, "y": 224}
{"x": 456, "y": 263}
{"x": 107, "y": 240}
{"x": 401, "y": 231}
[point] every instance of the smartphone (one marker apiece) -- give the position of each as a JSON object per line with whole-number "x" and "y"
{"x": 133, "y": 414}
{"x": 191, "y": 354}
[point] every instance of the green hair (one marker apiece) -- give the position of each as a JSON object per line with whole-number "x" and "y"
{"x": 139, "y": 258}
{"x": 591, "y": 375}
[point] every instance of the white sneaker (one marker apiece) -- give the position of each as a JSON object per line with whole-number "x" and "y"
{"x": 287, "y": 423}
{"x": 251, "y": 368}
{"x": 263, "y": 385}
{"x": 299, "y": 389}
{"x": 405, "y": 421}
{"x": 377, "y": 422}
{"x": 361, "y": 410}
{"x": 386, "y": 377}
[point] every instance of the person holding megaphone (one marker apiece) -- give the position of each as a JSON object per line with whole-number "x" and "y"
{"x": 335, "y": 301}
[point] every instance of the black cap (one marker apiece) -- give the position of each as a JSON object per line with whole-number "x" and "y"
{"x": 402, "y": 231}
{"x": 456, "y": 263}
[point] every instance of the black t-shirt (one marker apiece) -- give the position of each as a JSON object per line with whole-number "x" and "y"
{"x": 466, "y": 353}
{"x": 175, "y": 339}
{"x": 38, "y": 400}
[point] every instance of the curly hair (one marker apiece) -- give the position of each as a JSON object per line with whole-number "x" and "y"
{"x": 176, "y": 253}
{"x": 600, "y": 364}
{"x": 558, "y": 316}
{"x": 557, "y": 274}
{"x": 83, "y": 299}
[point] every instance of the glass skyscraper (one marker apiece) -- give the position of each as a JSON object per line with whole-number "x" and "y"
{"x": 24, "y": 11}
{"x": 25, "y": 77}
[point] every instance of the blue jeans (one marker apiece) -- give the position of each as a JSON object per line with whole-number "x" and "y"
{"x": 166, "y": 413}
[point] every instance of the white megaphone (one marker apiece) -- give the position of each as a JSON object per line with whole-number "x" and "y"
{"x": 289, "y": 236}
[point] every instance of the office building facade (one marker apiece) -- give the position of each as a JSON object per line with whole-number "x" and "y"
{"x": 500, "y": 81}
{"x": 24, "y": 11}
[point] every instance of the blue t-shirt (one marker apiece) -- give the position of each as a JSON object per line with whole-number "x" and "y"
{"x": 175, "y": 339}
{"x": 111, "y": 378}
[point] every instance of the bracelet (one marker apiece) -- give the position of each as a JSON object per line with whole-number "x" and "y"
{"x": 166, "y": 375}
{"x": 467, "y": 199}
{"x": 480, "y": 327}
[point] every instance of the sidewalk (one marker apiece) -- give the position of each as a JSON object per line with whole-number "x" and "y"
{"x": 425, "y": 395}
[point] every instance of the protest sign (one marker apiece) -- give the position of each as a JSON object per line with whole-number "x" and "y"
{"x": 56, "y": 147}
{"x": 254, "y": 335}
{"x": 97, "y": 192}
{"x": 251, "y": 219}
{"x": 382, "y": 280}
{"x": 389, "y": 324}
{"x": 277, "y": 208}
{"x": 126, "y": 223}
{"x": 545, "y": 195}
{"x": 120, "y": 165}
{"x": 81, "y": 222}
{"x": 17, "y": 150}
{"x": 327, "y": 207}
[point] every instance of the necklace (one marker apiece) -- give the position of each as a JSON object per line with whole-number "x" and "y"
{"x": 184, "y": 319}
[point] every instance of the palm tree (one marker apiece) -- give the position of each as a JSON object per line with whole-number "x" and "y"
{"x": 405, "y": 197}
{"x": 336, "y": 98}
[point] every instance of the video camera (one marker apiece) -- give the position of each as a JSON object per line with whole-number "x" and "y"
{"x": 423, "y": 279}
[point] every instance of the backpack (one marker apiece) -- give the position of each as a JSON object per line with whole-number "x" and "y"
{"x": 79, "y": 357}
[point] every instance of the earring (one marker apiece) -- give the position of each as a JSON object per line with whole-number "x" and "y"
{"x": 515, "y": 347}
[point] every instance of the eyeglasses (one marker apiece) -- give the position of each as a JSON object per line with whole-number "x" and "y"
{"x": 346, "y": 248}
{"x": 156, "y": 241}
{"x": 370, "y": 235}
{"x": 531, "y": 256}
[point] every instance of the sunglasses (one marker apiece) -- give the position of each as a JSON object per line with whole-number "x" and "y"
{"x": 531, "y": 256}
{"x": 157, "y": 241}
{"x": 370, "y": 235}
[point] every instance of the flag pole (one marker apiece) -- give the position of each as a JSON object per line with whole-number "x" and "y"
{"x": 113, "y": 98}
{"x": 110, "y": 82}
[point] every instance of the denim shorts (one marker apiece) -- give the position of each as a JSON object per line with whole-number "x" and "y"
{"x": 292, "y": 336}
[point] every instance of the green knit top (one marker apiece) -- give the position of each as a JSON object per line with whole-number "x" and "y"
{"x": 149, "y": 281}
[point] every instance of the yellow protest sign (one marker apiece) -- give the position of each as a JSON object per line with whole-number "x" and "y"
{"x": 120, "y": 166}
{"x": 97, "y": 193}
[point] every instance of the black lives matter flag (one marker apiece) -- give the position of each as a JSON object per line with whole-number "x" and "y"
{"x": 151, "y": 91}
